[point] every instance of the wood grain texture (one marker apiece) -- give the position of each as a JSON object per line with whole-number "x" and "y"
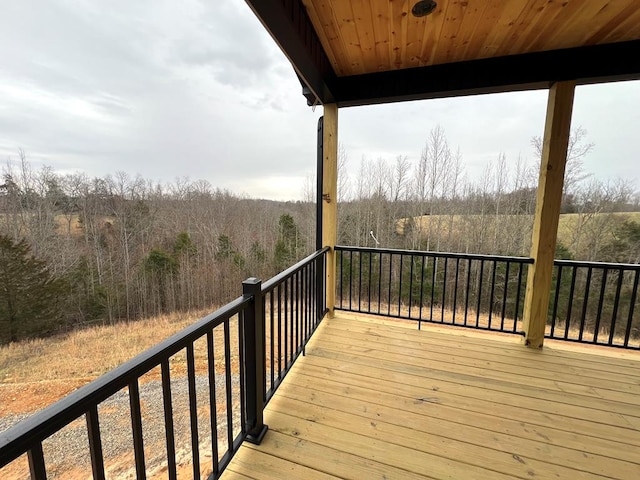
{"x": 547, "y": 214}
{"x": 380, "y": 35}
{"x": 376, "y": 400}
{"x": 330, "y": 197}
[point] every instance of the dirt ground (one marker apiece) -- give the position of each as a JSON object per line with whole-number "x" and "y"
{"x": 18, "y": 398}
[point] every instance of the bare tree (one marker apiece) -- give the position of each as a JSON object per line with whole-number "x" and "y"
{"x": 577, "y": 149}
{"x": 590, "y": 227}
{"x": 344, "y": 185}
{"x": 398, "y": 183}
{"x": 431, "y": 175}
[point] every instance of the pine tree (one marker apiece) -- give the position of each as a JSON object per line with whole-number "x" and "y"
{"x": 289, "y": 245}
{"x": 161, "y": 268}
{"x": 30, "y": 298}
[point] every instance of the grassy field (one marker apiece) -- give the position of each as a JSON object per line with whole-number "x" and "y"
{"x": 566, "y": 227}
{"x": 65, "y": 224}
{"x": 569, "y": 221}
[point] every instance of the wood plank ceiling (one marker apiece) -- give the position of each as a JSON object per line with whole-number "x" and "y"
{"x": 356, "y": 52}
{"x": 364, "y": 36}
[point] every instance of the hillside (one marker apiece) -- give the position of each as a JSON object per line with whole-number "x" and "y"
{"x": 575, "y": 230}
{"x": 37, "y": 372}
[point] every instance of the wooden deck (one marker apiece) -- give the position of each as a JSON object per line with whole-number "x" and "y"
{"x": 374, "y": 400}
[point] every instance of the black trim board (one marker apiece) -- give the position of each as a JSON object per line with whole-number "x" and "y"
{"x": 593, "y": 64}
{"x": 289, "y": 25}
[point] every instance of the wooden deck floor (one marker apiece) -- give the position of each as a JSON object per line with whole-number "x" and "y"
{"x": 373, "y": 400}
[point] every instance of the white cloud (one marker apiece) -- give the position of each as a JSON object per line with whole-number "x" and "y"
{"x": 197, "y": 88}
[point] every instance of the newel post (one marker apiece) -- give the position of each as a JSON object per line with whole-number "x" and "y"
{"x": 254, "y": 364}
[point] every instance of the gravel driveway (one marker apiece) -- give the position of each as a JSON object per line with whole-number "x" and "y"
{"x": 67, "y": 451}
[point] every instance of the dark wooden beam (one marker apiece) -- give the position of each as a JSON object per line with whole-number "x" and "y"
{"x": 593, "y": 64}
{"x": 289, "y": 25}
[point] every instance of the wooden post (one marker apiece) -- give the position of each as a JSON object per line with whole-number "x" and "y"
{"x": 548, "y": 202}
{"x": 330, "y": 198}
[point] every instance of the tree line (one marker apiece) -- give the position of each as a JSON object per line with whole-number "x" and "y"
{"x": 76, "y": 249}
{"x": 434, "y": 205}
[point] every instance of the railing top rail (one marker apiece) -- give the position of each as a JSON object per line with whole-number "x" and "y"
{"x": 464, "y": 256}
{"x": 18, "y": 439}
{"x": 608, "y": 265}
{"x": 282, "y": 276}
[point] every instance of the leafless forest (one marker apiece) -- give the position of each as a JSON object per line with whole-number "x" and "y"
{"x": 77, "y": 250}
{"x": 435, "y": 205}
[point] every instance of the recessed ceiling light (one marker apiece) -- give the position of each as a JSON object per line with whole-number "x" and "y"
{"x": 423, "y": 7}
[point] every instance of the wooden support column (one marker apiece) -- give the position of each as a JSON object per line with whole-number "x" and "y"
{"x": 330, "y": 197}
{"x": 548, "y": 201}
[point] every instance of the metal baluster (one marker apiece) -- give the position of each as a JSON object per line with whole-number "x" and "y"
{"x": 36, "y": 462}
{"x": 369, "y": 285}
{"x": 213, "y": 410}
{"x": 444, "y": 288}
{"x": 632, "y": 303}
{"x": 585, "y": 303}
{"x": 570, "y": 301}
{"x": 479, "y": 293}
{"x": 466, "y": 297}
{"x": 616, "y": 302}
{"x": 390, "y": 276}
{"x": 400, "y": 286}
{"x": 95, "y": 443}
{"x": 411, "y": 284}
{"x": 455, "y": 292}
{"x": 433, "y": 285}
{"x": 504, "y": 297}
{"x": 492, "y": 292}
{"x": 379, "y": 281}
{"x": 136, "y": 425}
{"x": 227, "y": 377}
{"x": 168, "y": 419}
{"x": 518, "y": 293}
{"x": 556, "y": 297}
{"x": 603, "y": 288}
{"x": 193, "y": 411}
{"x": 421, "y": 291}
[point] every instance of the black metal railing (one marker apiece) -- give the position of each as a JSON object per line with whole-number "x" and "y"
{"x": 596, "y": 303}
{"x": 477, "y": 291}
{"x": 294, "y": 303}
{"x": 226, "y": 353}
{"x": 215, "y": 329}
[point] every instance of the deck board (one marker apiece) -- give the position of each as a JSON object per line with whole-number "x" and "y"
{"x": 374, "y": 399}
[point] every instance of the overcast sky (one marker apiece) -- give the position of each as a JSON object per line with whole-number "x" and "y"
{"x": 198, "y": 89}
